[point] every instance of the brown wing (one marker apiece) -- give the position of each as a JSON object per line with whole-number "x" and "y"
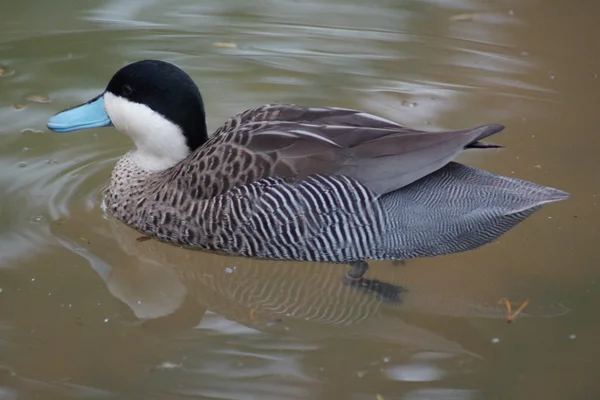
{"x": 294, "y": 142}
{"x": 305, "y": 114}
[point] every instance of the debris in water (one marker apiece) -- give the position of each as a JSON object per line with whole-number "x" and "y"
{"x": 29, "y": 130}
{"x": 5, "y": 71}
{"x": 495, "y": 340}
{"x": 510, "y": 315}
{"x": 274, "y": 322}
{"x": 228, "y": 45}
{"x": 143, "y": 239}
{"x": 168, "y": 365}
{"x": 379, "y": 397}
{"x": 571, "y": 336}
{"x": 17, "y": 106}
{"x": 84, "y": 240}
{"x": 36, "y": 219}
{"x": 463, "y": 17}
{"x": 38, "y": 98}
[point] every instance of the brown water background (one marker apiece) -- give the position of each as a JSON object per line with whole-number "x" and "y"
{"x": 88, "y": 312}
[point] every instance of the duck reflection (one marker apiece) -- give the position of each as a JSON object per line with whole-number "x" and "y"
{"x": 171, "y": 290}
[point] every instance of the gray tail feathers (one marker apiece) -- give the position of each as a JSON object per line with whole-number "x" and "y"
{"x": 486, "y": 130}
{"x": 458, "y": 208}
{"x": 399, "y": 158}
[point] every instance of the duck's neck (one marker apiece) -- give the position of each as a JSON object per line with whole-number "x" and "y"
{"x": 160, "y": 142}
{"x": 150, "y": 161}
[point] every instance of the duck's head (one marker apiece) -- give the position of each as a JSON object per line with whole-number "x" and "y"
{"x": 153, "y": 102}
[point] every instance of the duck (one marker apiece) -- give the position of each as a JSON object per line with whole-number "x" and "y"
{"x": 295, "y": 182}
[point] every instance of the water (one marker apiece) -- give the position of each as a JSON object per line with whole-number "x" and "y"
{"x": 86, "y": 311}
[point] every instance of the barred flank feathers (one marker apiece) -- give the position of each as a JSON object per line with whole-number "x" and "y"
{"x": 336, "y": 219}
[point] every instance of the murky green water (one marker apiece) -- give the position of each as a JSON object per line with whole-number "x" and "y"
{"x": 88, "y": 312}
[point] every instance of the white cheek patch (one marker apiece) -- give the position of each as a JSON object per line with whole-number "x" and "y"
{"x": 160, "y": 143}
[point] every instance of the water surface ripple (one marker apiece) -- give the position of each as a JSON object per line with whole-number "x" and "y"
{"x": 87, "y": 311}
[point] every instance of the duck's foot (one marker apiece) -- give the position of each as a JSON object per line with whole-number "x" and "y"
{"x": 358, "y": 269}
{"x": 355, "y": 278}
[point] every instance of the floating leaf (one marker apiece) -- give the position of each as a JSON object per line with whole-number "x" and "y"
{"x": 5, "y": 71}
{"x": 227, "y": 45}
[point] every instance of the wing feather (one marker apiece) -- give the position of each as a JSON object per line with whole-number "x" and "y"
{"x": 296, "y": 141}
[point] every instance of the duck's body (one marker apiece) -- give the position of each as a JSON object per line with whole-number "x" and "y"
{"x": 261, "y": 198}
{"x": 294, "y": 182}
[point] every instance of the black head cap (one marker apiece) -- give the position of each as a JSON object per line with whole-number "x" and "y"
{"x": 167, "y": 90}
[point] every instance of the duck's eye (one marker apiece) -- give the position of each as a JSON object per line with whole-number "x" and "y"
{"x": 127, "y": 90}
